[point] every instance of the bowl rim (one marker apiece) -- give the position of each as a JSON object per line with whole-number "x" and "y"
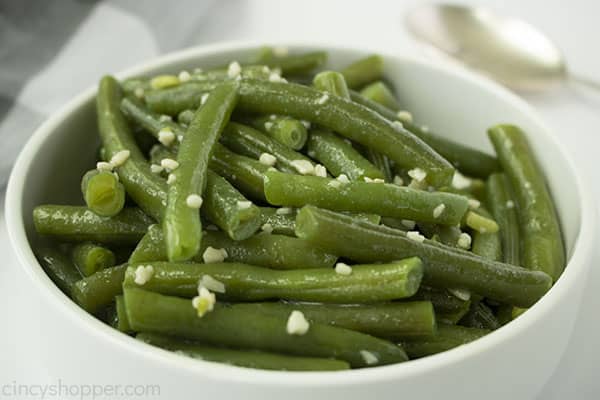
{"x": 578, "y": 262}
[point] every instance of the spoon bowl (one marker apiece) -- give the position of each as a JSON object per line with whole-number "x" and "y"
{"x": 506, "y": 49}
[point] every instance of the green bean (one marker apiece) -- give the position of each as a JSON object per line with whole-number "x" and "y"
{"x": 502, "y": 206}
{"x": 182, "y": 226}
{"x": 487, "y": 244}
{"x": 339, "y": 157}
{"x": 269, "y": 251}
{"x": 292, "y": 64}
{"x": 250, "y": 142}
{"x": 448, "y": 235}
{"x": 332, "y": 82}
{"x": 377, "y": 198}
{"x": 366, "y": 283}
{"x": 288, "y": 131}
{"x": 155, "y": 313}
{"x": 446, "y": 338}
{"x": 79, "y": 224}
{"x": 90, "y": 258}
{"x": 542, "y": 244}
{"x": 222, "y": 207}
{"x": 480, "y": 223}
{"x": 122, "y": 322}
{"x": 444, "y": 266}
{"x": 470, "y": 161}
{"x": 244, "y": 173}
{"x": 96, "y": 291}
{"x": 150, "y": 121}
{"x": 380, "y": 93}
{"x": 480, "y": 316}
{"x": 243, "y": 358}
{"x": 347, "y": 118}
{"x": 282, "y": 224}
{"x": 363, "y": 71}
{"x": 448, "y": 308}
{"x": 185, "y": 117}
{"x": 59, "y": 268}
{"x": 103, "y": 193}
{"x": 381, "y": 162}
{"x": 392, "y": 321}
{"x": 145, "y": 188}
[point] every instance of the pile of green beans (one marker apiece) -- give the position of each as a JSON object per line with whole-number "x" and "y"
{"x": 238, "y": 216}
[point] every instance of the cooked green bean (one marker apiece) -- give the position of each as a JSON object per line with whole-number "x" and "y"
{"x": 292, "y": 64}
{"x": 446, "y": 338}
{"x": 103, "y": 193}
{"x": 392, "y": 321}
{"x": 152, "y": 122}
{"x": 332, "y": 82}
{"x": 265, "y": 250}
{"x": 470, "y": 161}
{"x": 144, "y": 187}
{"x": 448, "y": 308}
{"x": 347, "y": 118}
{"x": 244, "y": 173}
{"x": 380, "y": 93}
{"x": 243, "y": 358}
{"x": 381, "y": 162}
{"x": 79, "y": 224}
{"x": 250, "y": 142}
{"x": 480, "y": 316}
{"x": 96, "y": 291}
{"x": 279, "y": 223}
{"x": 542, "y": 245}
{"x": 339, "y": 157}
{"x": 288, "y": 131}
{"x": 363, "y": 71}
{"x": 366, "y": 283}
{"x": 222, "y": 207}
{"x": 90, "y": 258}
{"x": 503, "y": 208}
{"x": 480, "y": 223}
{"x": 59, "y": 268}
{"x": 122, "y": 322}
{"x": 448, "y": 235}
{"x": 377, "y": 198}
{"x": 181, "y": 225}
{"x": 155, "y": 313}
{"x": 487, "y": 244}
{"x": 444, "y": 266}
{"x": 185, "y": 117}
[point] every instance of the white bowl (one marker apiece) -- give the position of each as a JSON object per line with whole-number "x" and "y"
{"x": 512, "y": 362}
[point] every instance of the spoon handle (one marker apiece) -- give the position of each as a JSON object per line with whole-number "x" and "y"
{"x": 589, "y": 83}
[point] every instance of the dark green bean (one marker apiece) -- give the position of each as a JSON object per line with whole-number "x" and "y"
{"x": 339, "y": 157}
{"x": 292, "y": 64}
{"x": 470, "y": 161}
{"x": 181, "y": 225}
{"x": 392, "y": 321}
{"x": 243, "y": 358}
{"x": 144, "y": 187}
{"x": 446, "y": 338}
{"x": 503, "y": 208}
{"x": 542, "y": 244}
{"x": 448, "y": 308}
{"x": 377, "y": 198}
{"x": 96, "y": 291}
{"x": 288, "y": 131}
{"x": 480, "y": 316}
{"x": 79, "y": 224}
{"x": 367, "y": 282}
{"x": 155, "y": 313}
{"x": 151, "y": 122}
{"x": 282, "y": 224}
{"x": 270, "y": 251}
{"x": 103, "y": 193}
{"x": 363, "y": 71}
{"x": 250, "y": 142}
{"x": 90, "y": 258}
{"x": 345, "y": 117}
{"x": 122, "y": 322}
{"x": 59, "y": 268}
{"x": 444, "y": 266}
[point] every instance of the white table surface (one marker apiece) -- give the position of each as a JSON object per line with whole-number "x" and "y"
{"x": 573, "y": 112}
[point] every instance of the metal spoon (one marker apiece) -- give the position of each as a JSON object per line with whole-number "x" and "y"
{"x": 506, "y": 49}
